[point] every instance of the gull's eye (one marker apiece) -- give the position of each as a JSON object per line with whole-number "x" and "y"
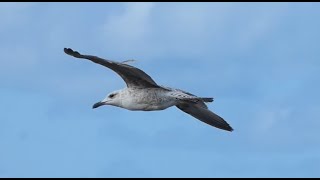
{"x": 111, "y": 95}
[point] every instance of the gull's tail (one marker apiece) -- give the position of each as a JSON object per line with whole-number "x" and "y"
{"x": 207, "y": 99}
{"x": 197, "y": 99}
{"x": 184, "y": 96}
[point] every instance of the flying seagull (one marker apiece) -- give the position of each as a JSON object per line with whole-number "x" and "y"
{"x": 144, "y": 94}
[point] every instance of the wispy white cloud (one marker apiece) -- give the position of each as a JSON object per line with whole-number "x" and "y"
{"x": 158, "y": 28}
{"x": 130, "y": 29}
{"x": 161, "y": 29}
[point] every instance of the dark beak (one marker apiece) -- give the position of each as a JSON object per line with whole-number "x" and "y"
{"x": 98, "y": 104}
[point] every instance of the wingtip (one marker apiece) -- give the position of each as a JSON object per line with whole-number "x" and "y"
{"x": 67, "y": 50}
{"x": 71, "y": 52}
{"x": 228, "y": 128}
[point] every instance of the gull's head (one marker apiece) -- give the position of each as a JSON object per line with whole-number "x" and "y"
{"x": 111, "y": 99}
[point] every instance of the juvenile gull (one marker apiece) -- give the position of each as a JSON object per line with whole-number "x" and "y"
{"x": 144, "y": 94}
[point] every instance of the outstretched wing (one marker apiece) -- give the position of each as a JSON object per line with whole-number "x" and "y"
{"x": 133, "y": 76}
{"x": 203, "y": 114}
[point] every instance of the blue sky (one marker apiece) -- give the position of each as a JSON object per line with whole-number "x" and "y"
{"x": 260, "y": 61}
